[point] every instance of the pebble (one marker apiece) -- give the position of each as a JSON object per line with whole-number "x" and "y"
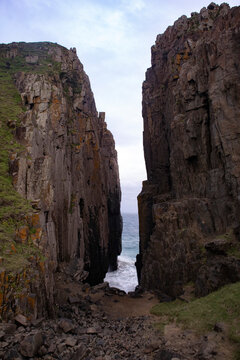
{"x": 66, "y": 325}
{"x": 3, "y": 344}
{"x": 71, "y": 341}
{"x": 91, "y": 331}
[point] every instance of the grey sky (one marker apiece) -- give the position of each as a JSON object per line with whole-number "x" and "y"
{"x": 113, "y": 41}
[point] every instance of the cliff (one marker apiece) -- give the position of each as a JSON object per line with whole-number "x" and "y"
{"x": 189, "y": 205}
{"x": 64, "y": 212}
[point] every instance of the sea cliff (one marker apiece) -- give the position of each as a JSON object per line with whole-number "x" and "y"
{"x": 60, "y": 188}
{"x": 189, "y": 205}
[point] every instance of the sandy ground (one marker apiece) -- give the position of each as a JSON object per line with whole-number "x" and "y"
{"x": 125, "y": 306}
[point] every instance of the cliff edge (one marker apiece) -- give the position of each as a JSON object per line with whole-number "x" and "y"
{"x": 63, "y": 162}
{"x": 189, "y": 205}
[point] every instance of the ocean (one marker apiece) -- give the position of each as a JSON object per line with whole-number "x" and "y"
{"x": 125, "y": 277}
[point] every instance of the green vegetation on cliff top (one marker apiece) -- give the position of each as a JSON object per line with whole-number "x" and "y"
{"x": 43, "y": 65}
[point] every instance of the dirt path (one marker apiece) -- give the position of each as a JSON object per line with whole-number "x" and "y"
{"x": 120, "y": 307}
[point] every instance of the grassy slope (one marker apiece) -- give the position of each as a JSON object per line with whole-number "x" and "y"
{"x": 203, "y": 313}
{"x": 14, "y": 208}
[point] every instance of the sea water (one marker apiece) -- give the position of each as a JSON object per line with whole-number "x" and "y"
{"x": 125, "y": 277}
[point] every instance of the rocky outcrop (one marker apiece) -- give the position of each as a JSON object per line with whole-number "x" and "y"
{"x": 191, "y": 111}
{"x": 67, "y": 168}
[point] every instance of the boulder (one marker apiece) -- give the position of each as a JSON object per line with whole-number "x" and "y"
{"x": 31, "y": 344}
{"x": 218, "y": 246}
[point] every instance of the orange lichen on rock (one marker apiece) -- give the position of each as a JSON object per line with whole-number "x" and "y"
{"x": 1, "y": 298}
{"x": 186, "y": 55}
{"x": 36, "y": 100}
{"x": 35, "y": 219}
{"x": 178, "y": 59}
{"x": 78, "y": 147}
{"x": 2, "y": 277}
{"x": 42, "y": 266}
{"x": 31, "y": 299}
{"x": 22, "y": 234}
{"x": 36, "y": 237}
{"x": 55, "y": 111}
{"x": 13, "y": 248}
{"x": 24, "y": 274}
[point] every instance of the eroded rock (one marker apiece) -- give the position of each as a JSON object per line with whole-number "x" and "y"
{"x": 191, "y": 111}
{"x": 68, "y": 171}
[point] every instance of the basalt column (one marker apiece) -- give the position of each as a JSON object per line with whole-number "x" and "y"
{"x": 68, "y": 166}
{"x": 189, "y": 205}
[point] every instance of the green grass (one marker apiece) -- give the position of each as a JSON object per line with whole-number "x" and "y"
{"x": 18, "y": 63}
{"x": 203, "y": 313}
{"x": 13, "y": 207}
{"x": 234, "y": 251}
{"x": 19, "y": 260}
{"x": 227, "y": 236}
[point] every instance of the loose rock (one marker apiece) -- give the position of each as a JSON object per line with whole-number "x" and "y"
{"x": 31, "y": 344}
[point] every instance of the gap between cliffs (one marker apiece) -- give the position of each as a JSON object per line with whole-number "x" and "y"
{"x": 61, "y": 225}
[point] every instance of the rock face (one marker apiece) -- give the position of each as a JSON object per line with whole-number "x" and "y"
{"x": 191, "y": 112}
{"x": 68, "y": 169}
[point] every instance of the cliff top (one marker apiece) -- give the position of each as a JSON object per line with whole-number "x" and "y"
{"x": 38, "y": 57}
{"x": 195, "y": 26}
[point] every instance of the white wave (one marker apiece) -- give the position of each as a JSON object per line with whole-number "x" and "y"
{"x": 125, "y": 277}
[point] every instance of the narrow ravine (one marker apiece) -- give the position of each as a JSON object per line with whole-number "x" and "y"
{"x": 125, "y": 277}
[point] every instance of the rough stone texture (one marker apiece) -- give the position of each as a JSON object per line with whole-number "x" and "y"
{"x": 68, "y": 169}
{"x": 107, "y": 333}
{"x": 191, "y": 113}
{"x": 30, "y": 345}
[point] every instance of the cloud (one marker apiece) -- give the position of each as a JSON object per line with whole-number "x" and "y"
{"x": 133, "y": 5}
{"x": 131, "y": 164}
{"x": 129, "y": 198}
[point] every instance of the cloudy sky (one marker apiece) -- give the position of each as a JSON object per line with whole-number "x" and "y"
{"x": 113, "y": 40}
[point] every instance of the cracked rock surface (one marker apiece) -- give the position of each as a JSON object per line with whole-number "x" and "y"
{"x": 67, "y": 167}
{"x": 191, "y": 112}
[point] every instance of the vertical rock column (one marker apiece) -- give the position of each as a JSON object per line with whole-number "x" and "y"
{"x": 69, "y": 168}
{"x": 191, "y": 110}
